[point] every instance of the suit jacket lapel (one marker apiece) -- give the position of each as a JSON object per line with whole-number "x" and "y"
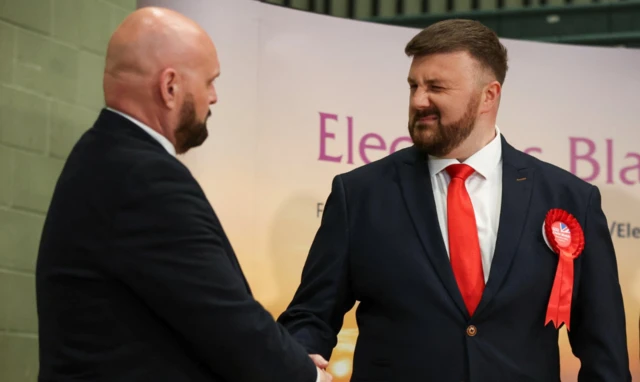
{"x": 415, "y": 183}
{"x": 517, "y": 184}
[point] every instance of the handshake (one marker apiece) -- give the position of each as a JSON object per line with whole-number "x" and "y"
{"x": 321, "y": 364}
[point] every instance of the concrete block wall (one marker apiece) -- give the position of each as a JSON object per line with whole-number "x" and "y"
{"x": 51, "y": 62}
{"x": 364, "y": 8}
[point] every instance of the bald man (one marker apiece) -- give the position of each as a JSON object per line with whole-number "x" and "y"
{"x": 136, "y": 279}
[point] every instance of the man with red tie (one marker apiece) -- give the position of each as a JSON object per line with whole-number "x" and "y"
{"x": 453, "y": 246}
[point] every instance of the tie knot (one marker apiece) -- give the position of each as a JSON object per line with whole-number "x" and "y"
{"x": 460, "y": 171}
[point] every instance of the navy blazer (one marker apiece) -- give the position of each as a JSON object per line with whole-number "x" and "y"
{"x": 380, "y": 243}
{"x": 136, "y": 280}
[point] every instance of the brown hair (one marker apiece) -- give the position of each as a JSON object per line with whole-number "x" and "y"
{"x": 460, "y": 35}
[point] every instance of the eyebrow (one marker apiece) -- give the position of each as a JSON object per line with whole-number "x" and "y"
{"x": 429, "y": 82}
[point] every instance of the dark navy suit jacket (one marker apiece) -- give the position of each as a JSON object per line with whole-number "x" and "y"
{"x": 380, "y": 243}
{"x": 136, "y": 280}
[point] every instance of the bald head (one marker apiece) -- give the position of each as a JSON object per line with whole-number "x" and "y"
{"x": 159, "y": 69}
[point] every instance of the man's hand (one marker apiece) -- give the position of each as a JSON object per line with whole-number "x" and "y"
{"x": 321, "y": 364}
{"x": 324, "y": 376}
{"x": 319, "y": 361}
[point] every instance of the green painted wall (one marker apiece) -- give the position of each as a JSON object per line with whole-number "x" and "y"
{"x": 51, "y": 62}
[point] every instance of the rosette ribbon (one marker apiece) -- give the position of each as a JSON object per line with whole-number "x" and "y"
{"x": 566, "y": 238}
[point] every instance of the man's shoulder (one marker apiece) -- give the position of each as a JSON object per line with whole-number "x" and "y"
{"x": 548, "y": 172}
{"x": 151, "y": 170}
{"x": 552, "y": 184}
{"x": 114, "y": 164}
{"x": 380, "y": 169}
{"x": 121, "y": 154}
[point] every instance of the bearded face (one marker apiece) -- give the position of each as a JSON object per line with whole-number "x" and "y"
{"x": 192, "y": 130}
{"x": 437, "y": 134}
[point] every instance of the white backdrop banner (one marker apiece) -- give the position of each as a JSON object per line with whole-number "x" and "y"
{"x": 303, "y": 97}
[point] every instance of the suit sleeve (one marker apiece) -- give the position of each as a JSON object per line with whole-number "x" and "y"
{"x": 171, "y": 253}
{"x": 598, "y": 330}
{"x": 316, "y": 313}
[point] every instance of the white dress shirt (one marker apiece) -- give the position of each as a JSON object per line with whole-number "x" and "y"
{"x": 171, "y": 150}
{"x": 154, "y": 134}
{"x": 485, "y": 190}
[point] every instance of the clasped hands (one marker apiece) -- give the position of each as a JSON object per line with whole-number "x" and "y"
{"x": 322, "y": 364}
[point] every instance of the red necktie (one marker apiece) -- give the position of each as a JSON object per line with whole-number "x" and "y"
{"x": 464, "y": 247}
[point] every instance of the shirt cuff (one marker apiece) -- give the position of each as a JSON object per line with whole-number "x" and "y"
{"x": 318, "y": 374}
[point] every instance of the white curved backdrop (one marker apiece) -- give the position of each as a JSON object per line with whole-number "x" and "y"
{"x": 305, "y": 96}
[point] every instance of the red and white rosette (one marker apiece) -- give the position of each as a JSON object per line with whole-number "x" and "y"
{"x": 563, "y": 234}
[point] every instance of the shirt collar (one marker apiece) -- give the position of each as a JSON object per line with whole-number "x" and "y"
{"x": 484, "y": 162}
{"x": 154, "y": 134}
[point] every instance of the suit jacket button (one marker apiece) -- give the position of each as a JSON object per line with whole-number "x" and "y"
{"x": 472, "y": 331}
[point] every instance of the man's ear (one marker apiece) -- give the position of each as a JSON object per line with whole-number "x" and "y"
{"x": 490, "y": 96}
{"x": 169, "y": 87}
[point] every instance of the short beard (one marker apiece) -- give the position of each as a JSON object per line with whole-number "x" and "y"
{"x": 443, "y": 138}
{"x": 190, "y": 132}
